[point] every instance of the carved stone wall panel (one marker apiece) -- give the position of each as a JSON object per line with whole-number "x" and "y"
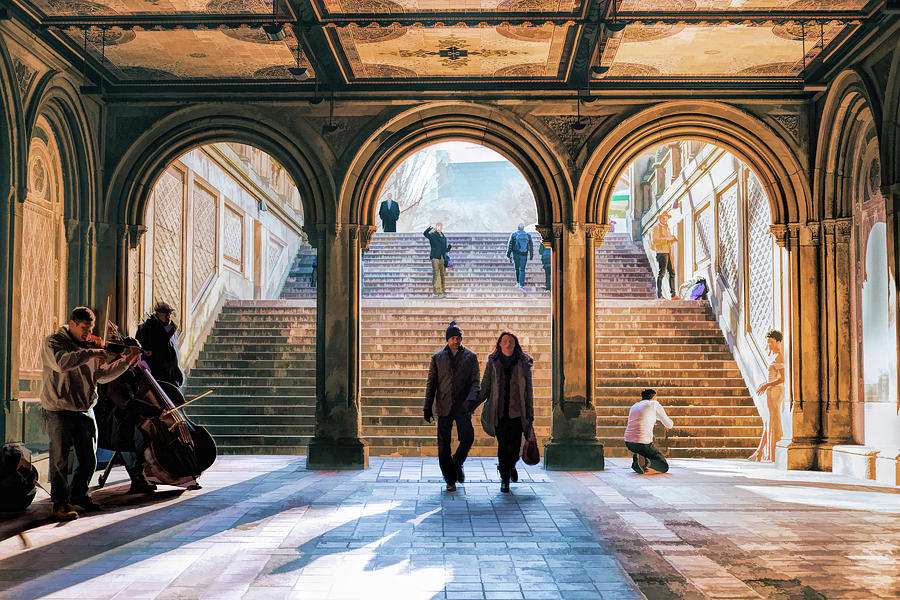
{"x": 704, "y": 234}
{"x": 233, "y": 237}
{"x": 760, "y": 261}
{"x": 168, "y": 238}
{"x": 273, "y": 256}
{"x": 205, "y": 204}
{"x": 726, "y": 214}
{"x": 134, "y": 291}
{"x": 38, "y": 285}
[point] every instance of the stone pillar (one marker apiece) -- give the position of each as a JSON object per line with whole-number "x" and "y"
{"x": 80, "y": 243}
{"x": 573, "y": 442}
{"x": 337, "y": 444}
{"x": 837, "y": 340}
{"x": 800, "y": 452}
{"x": 891, "y": 195}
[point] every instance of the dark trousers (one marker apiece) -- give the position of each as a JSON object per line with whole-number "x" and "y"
{"x": 664, "y": 260}
{"x": 520, "y": 260}
{"x": 466, "y": 434}
{"x": 657, "y": 460}
{"x": 509, "y": 444}
{"x": 69, "y": 429}
{"x": 547, "y": 278}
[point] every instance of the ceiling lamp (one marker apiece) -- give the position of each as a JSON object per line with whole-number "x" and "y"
{"x": 299, "y": 73}
{"x": 614, "y": 26}
{"x": 274, "y": 30}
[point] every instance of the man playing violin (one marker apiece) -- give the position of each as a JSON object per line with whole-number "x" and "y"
{"x": 71, "y": 371}
{"x": 157, "y": 337}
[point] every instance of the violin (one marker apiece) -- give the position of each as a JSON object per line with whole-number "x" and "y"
{"x": 97, "y": 343}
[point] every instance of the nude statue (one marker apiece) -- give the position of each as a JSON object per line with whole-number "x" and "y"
{"x": 774, "y": 389}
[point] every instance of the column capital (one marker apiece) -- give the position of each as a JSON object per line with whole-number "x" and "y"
{"x": 793, "y": 235}
{"x": 837, "y": 230}
{"x": 365, "y": 236}
{"x": 550, "y": 234}
{"x": 595, "y": 233}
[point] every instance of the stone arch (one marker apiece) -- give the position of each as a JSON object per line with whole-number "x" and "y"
{"x": 773, "y": 159}
{"x": 431, "y": 123}
{"x": 148, "y": 155}
{"x": 12, "y": 184}
{"x": 890, "y": 126}
{"x": 57, "y": 100}
{"x": 849, "y": 119}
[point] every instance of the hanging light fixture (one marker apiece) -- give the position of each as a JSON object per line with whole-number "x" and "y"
{"x": 330, "y": 127}
{"x": 578, "y": 125}
{"x": 299, "y": 73}
{"x": 274, "y": 30}
{"x": 615, "y": 25}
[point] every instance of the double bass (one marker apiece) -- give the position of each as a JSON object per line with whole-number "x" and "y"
{"x": 177, "y": 449}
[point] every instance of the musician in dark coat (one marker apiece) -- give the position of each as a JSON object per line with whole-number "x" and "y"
{"x": 389, "y": 213}
{"x": 157, "y": 338}
{"x": 118, "y": 412}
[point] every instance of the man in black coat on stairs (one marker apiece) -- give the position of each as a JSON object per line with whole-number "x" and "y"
{"x": 389, "y": 213}
{"x": 451, "y": 392}
{"x": 157, "y": 338}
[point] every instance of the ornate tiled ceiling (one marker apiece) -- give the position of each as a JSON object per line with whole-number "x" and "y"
{"x": 434, "y": 52}
{"x": 242, "y": 53}
{"x": 387, "y": 7}
{"x": 681, "y": 50}
{"x": 151, "y": 7}
{"x": 543, "y": 44}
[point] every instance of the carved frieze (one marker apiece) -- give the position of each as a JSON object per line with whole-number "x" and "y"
{"x": 564, "y": 127}
{"x": 791, "y": 123}
{"x": 24, "y": 77}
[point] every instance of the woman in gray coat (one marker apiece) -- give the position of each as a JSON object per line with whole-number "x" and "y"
{"x": 509, "y": 409}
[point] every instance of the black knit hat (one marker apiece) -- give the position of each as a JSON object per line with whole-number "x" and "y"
{"x": 452, "y": 329}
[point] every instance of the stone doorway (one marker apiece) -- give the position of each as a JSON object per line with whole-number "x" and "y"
{"x": 480, "y": 198}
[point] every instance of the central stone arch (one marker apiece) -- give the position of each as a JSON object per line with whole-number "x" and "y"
{"x": 774, "y": 159}
{"x": 497, "y": 129}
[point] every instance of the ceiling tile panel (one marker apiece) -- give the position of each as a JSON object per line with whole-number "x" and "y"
{"x": 713, "y": 51}
{"x": 243, "y": 53}
{"x": 440, "y": 52}
{"x": 656, "y": 6}
{"x": 87, "y": 8}
{"x": 387, "y": 7}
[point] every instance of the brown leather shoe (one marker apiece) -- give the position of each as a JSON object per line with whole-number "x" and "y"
{"x": 64, "y": 512}
{"x": 86, "y": 503}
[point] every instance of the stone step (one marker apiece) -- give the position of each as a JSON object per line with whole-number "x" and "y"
{"x": 248, "y": 379}
{"x": 721, "y": 419}
{"x": 632, "y": 390}
{"x": 650, "y": 371}
{"x": 415, "y": 393}
{"x": 289, "y": 422}
{"x": 249, "y": 411}
{"x": 672, "y": 397}
{"x": 211, "y": 366}
{"x": 253, "y": 390}
{"x": 386, "y": 414}
{"x": 265, "y": 401}
{"x": 628, "y": 347}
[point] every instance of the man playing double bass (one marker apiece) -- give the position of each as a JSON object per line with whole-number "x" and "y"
{"x": 71, "y": 372}
{"x": 157, "y": 338}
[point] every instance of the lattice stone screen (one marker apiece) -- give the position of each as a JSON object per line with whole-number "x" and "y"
{"x": 37, "y": 293}
{"x": 233, "y": 237}
{"x": 168, "y": 237}
{"x": 728, "y": 235}
{"x": 204, "y": 238}
{"x": 704, "y": 234}
{"x": 760, "y": 257}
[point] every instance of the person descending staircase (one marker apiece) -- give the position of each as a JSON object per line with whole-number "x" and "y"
{"x": 672, "y": 346}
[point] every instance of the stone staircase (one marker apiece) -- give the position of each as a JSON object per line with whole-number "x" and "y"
{"x": 260, "y": 359}
{"x": 396, "y": 265}
{"x": 622, "y": 270}
{"x": 297, "y": 286}
{"x": 672, "y": 346}
{"x": 397, "y": 343}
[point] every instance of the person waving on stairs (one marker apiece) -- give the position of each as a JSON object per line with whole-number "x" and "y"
{"x": 451, "y": 392}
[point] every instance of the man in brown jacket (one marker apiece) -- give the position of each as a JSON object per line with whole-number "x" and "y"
{"x": 70, "y": 376}
{"x": 451, "y": 392}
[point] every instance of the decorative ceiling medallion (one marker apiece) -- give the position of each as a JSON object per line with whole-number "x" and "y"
{"x": 623, "y": 69}
{"x": 524, "y": 33}
{"x": 372, "y": 34}
{"x": 776, "y": 68}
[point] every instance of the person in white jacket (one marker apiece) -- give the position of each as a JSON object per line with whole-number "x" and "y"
{"x": 639, "y": 434}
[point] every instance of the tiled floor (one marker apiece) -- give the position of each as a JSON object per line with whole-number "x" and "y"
{"x": 264, "y": 527}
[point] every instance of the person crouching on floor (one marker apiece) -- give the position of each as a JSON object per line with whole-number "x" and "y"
{"x": 639, "y": 434}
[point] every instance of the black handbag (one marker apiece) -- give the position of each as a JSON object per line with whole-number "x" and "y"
{"x": 531, "y": 454}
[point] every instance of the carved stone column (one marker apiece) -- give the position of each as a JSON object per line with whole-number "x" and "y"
{"x": 802, "y": 240}
{"x": 573, "y": 442}
{"x": 837, "y": 340}
{"x": 337, "y": 444}
{"x": 81, "y": 244}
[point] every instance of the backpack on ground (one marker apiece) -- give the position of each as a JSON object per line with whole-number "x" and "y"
{"x": 521, "y": 243}
{"x": 17, "y": 478}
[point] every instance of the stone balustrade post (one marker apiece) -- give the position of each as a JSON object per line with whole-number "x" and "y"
{"x": 573, "y": 442}
{"x": 804, "y": 346}
{"x": 837, "y": 419}
{"x": 337, "y": 444}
